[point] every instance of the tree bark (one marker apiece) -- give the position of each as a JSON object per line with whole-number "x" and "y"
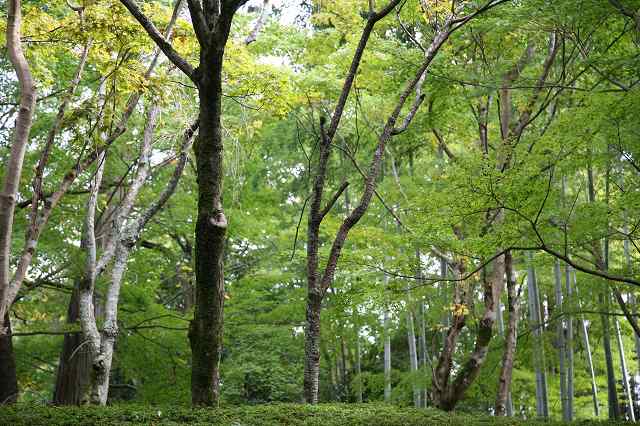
{"x": 504, "y": 403}
{"x": 587, "y": 348}
{"x": 625, "y": 374}
{"x": 312, "y": 348}
{"x": 560, "y": 336}
{"x": 8, "y": 376}
{"x": 413, "y": 358}
{"x": 13, "y": 168}
{"x": 359, "y": 384}
{"x": 535, "y": 317}
{"x": 74, "y": 364}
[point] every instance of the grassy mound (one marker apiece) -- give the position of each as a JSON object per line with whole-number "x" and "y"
{"x": 276, "y": 414}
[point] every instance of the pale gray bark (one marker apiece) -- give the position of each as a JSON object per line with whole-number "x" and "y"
{"x": 542, "y": 405}
{"x": 569, "y": 344}
{"x": 587, "y": 348}
{"x": 413, "y": 357}
{"x": 86, "y": 289}
{"x": 625, "y": 374}
{"x": 387, "y": 348}
{"x": 561, "y": 342}
{"x": 262, "y": 19}
{"x": 359, "y": 383}
{"x": 122, "y": 240}
{"x": 13, "y": 168}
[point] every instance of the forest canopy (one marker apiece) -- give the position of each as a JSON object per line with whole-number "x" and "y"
{"x": 423, "y": 203}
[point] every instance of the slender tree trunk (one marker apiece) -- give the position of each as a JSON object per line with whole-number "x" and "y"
{"x": 602, "y": 263}
{"x": 387, "y": 350}
{"x": 612, "y": 393}
{"x": 569, "y": 343}
{"x": 8, "y": 376}
{"x": 359, "y": 384}
{"x": 625, "y": 374}
{"x": 561, "y": 341}
{"x": 425, "y": 357}
{"x": 587, "y": 348}
{"x": 504, "y": 402}
{"x": 312, "y": 348}
{"x": 542, "y": 405}
{"x": 413, "y": 358}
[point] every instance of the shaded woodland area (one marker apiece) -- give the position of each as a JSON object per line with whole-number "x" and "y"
{"x": 410, "y": 203}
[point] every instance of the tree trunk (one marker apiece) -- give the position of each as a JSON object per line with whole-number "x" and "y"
{"x": 13, "y": 168}
{"x": 625, "y": 374}
{"x": 413, "y": 358}
{"x": 542, "y": 405}
{"x": 312, "y": 348}
{"x": 587, "y": 348}
{"x": 359, "y": 384}
{"x": 206, "y": 328}
{"x": 8, "y": 376}
{"x": 569, "y": 343}
{"x": 74, "y": 365}
{"x": 612, "y": 393}
{"x": 387, "y": 356}
{"x": 601, "y": 259}
{"x": 561, "y": 342}
{"x": 504, "y": 403}
{"x": 425, "y": 357}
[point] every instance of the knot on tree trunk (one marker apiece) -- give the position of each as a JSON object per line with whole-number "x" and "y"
{"x": 218, "y": 220}
{"x": 110, "y": 331}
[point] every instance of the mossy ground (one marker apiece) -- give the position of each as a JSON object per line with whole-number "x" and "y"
{"x": 276, "y": 414}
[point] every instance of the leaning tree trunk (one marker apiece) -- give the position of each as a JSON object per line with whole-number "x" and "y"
{"x": 504, "y": 403}
{"x": 10, "y": 185}
{"x": 8, "y": 376}
{"x": 625, "y": 374}
{"x": 588, "y": 353}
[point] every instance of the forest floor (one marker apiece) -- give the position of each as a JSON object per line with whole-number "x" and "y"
{"x": 271, "y": 414}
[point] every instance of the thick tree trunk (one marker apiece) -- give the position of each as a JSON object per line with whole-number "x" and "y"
{"x": 206, "y": 329}
{"x": 75, "y": 363}
{"x": 8, "y": 376}
{"x": 504, "y": 403}
{"x": 312, "y": 348}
